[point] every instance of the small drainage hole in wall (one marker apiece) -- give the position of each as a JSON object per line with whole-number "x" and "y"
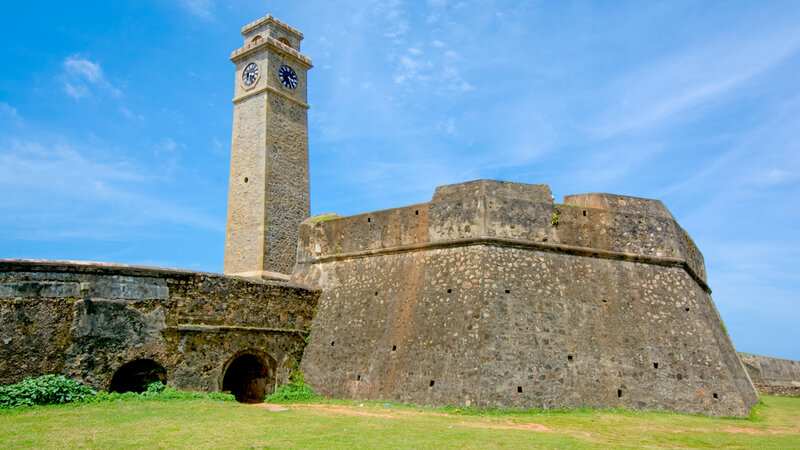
{"x": 715, "y": 395}
{"x": 358, "y": 377}
{"x": 431, "y": 384}
{"x": 584, "y": 214}
{"x": 449, "y": 291}
{"x": 508, "y": 291}
{"x": 569, "y": 357}
{"x": 368, "y": 219}
{"x": 687, "y": 309}
{"x": 655, "y": 365}
{"x": 416, "y": 213}
{"x": 605, "y": 301}
{"x": 394, "y": 348}
{"x": 376, "y": 292}
{"x": 332, "y": 342}
{"x": 619, "y": 392}
{"x": 519, "y": 389}
{"x": 245, "y": 179}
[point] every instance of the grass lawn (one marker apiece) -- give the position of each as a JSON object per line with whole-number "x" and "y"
{"x": 342, "y": 424}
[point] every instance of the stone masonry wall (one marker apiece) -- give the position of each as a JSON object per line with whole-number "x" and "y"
{"x": 773, "y": 375}
{"x": 268, "y": 196}
{"x": 483, "y": 298}
{"x": 86, "y": 320}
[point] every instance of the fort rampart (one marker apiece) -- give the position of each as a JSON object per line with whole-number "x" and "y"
{"x": 773, "y": 375}
{"x": 491, "y": 295}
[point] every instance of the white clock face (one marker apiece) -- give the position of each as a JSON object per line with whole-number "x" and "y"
{"x": 288, "y": 77}
{"x": 250, "y": 74}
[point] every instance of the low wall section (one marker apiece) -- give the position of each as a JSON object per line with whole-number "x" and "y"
{"x": 773, "y": 375}
{"x": 86, "y": 320}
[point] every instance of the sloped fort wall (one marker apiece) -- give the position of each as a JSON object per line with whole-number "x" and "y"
{"x": 87, "y": 320}
{"x": 491, "y": 295}
{"x": 773, "y": 375}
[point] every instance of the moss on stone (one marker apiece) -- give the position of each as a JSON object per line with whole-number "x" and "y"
{"x": 323, "y": 219}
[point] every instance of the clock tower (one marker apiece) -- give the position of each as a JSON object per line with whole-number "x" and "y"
{"x": 268, "y": 193}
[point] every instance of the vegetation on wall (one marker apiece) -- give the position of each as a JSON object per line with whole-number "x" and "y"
{"x": 58, "y": 389}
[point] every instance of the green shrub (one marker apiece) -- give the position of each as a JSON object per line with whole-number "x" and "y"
{"x": 157, "y": 391}
{"x": 44, "y": 390}
{"x": 295, "y": 392}
{"x": 156, "y": 387}
{"x": 54, "y": 389}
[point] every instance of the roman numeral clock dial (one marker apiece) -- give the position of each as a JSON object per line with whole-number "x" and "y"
{"x": 288, "y": 77}
{"x": 250, "y": 74}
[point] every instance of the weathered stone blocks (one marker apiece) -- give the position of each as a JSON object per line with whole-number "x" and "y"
{"x": 87, "y": 320}
{"x": 491, "y": 295}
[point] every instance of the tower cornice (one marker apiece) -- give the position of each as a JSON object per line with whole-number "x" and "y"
{"x": 272, "y": 90}
{"x": 279, "y": 47}
{"x": 269, "y": 18}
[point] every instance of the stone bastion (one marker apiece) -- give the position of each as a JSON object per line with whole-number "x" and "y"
{"x": 491, "y": 295}
{"x": 117, "y": 327}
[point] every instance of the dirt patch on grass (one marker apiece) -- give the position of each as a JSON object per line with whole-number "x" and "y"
{"x": 371, "y": 412}
{"x": 735, "y": 430}
{"x": 506, "y": 426}
{"x": 751, "y": 431}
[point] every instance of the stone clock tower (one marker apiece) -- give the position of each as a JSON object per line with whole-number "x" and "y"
{"x": 268, "y": 194}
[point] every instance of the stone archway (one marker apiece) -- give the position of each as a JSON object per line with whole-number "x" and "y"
{"x": 249, "y": 377}
{"x": 135, "y": 375}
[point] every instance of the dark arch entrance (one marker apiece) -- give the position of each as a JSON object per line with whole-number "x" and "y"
{"x": 136, "y": 375}
{"x": 249, "y": 378}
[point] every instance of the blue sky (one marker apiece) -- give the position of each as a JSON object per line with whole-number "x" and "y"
{"x": 115, "y": 123}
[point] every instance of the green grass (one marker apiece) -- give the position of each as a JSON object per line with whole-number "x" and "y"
{"x": 344, "y": 424}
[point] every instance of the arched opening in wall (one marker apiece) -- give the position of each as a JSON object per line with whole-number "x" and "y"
{"x": 249, "y": 377}
{"x": 285, "y": 42}
{"x": 134, "y": 376}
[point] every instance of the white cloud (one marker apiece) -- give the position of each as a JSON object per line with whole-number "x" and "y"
{"x": 81, "y": 73}
{"x": 9, "y": 112}
{"x": 84, "y": 186}
{"x": 200, "y": 8}
{"x": 77, "y": 92}
{"x": 130, "y": 114}
{"x": 774, "y": 177}
{"x": 391, "y": 11}
{"x": 692, "y": 78}
{"x": 168, "y": 144}
{"x": 84, "y": 68}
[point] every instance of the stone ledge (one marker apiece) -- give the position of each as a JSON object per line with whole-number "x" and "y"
{"x": 102, "y": 268}
{"x": 276, "y": 45}
{"x": 225, "y": 328}
{"x": 271, "y": 89}
{"x": 519, "y": 243}
{"x": 271, "y": 18}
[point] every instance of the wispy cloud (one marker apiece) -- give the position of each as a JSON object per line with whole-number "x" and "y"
{"x": 76, "y": 183}
{"x": 9, "y": 113}
{"x": 200, "y": 8}
{"x": 695, "y": 77}
{"x": 82, "y": 75}
{"x": 130, "y": 115}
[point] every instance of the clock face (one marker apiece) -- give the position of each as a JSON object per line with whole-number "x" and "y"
{"x": 250, "y": 74}
{"x": 288, "y": 77}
